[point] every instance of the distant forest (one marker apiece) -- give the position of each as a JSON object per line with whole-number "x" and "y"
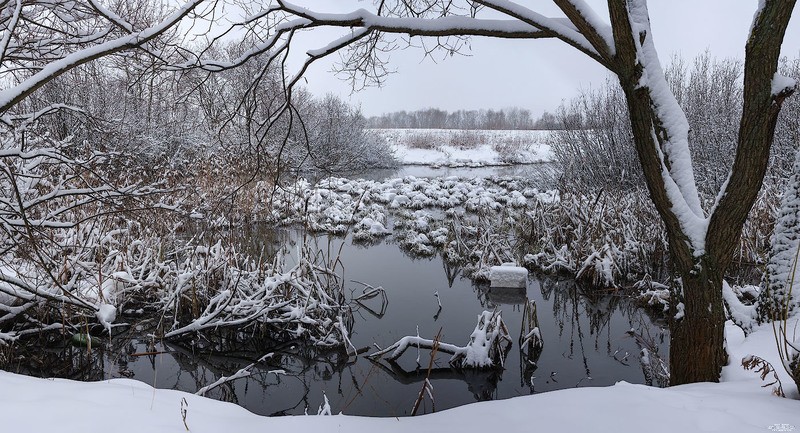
{"x": 433, "y": 118}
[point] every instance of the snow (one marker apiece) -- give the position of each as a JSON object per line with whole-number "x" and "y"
{"x": 532, "y": 147}
{"x": 106, "y": 314}
{"x": 782, "y": 84}
{"x": 602, "y": 27}
{"x": 782, "y": 273}
{"x": 444, "y": 25}
{"x": 679, "y": 181}
{"x": 756, "y": 14}
{"x": 11, "y": 95}
{"x": 743, "y": 315}
{"x": 738, "y": 404}
{"x": 562, "y": 29}
{"x": 508, "y": 275}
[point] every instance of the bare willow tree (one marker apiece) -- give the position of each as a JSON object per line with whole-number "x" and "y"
{"x": 702, "y": 240}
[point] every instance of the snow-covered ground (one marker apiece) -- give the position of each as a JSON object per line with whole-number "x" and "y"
{"x": 738, "y": 404}
{"x": 467, "y": 148}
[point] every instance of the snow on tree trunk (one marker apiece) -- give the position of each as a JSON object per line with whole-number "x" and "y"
{"x": 785, "y": 242}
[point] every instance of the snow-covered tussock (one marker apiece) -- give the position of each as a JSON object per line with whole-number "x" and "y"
{"x": 198, "y": 289}
{"x": 602, "y": 239}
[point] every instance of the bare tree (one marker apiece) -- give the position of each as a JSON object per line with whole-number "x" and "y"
{"x": 52, "y": 183}
{"x": 702, "y": 240}
{"x": 44, "y": 39}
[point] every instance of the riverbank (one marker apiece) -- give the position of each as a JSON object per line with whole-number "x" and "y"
{"x": 738, "y": 404}
{"x": 467, "y": 148}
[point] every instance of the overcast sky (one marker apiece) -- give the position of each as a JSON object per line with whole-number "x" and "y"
{"x": 539, "y": 74}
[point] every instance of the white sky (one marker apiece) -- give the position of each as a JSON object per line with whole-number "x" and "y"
{"x": 538, "y": 74}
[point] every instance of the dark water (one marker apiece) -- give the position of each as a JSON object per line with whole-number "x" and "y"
{"x": 586, "y": 343}
{"x": 543, "y": 172}
{"x": 589, "y": 339}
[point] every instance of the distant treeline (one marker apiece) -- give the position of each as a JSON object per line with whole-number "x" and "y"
{"x": 433, "y": 118}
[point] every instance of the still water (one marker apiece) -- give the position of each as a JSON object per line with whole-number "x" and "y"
{"x": 590, "y": 339}
{"x": 586, "y": 343}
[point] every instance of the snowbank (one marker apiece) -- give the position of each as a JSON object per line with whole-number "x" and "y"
{"x": 738, "y": 405}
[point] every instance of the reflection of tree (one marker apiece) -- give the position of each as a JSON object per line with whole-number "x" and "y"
{"x": 301, "y": 362}
{"x": 451, "y": 271}
{"x": 654, "y": 366}
{"x": 481, "y": 383}
{"x": 250, "y": 240}
{"x": 575, "y": 307}
{"x": 62, "y": 360}
{"x": 528, "y": 363}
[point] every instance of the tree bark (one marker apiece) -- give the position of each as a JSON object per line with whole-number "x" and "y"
{"x": 697, "y": 334}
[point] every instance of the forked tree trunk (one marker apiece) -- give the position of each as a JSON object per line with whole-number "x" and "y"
{"x": 697, "y": 330}
{"x": 697, "y": 351}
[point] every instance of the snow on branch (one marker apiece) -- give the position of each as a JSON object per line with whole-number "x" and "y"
{"x": 586, "y": 20}
{"x": 564, "y": 30}
{"x": 783, "y": 86}
{"x": 671, "y": 132}
{"x": 442, "y": 26}
{"x": 487, "y": 347}
{"x": 11, "y": 96}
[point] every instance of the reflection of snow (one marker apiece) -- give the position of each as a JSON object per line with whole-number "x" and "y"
{"x": 738, "y": 404}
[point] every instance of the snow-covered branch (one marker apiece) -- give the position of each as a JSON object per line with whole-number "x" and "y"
{"x": 670, "y": 132}
{"x": 487, "y": 347}
{"x": 563, "y": 29}
{"x": 442, "y": 26}
{"x": 61, "y": 63}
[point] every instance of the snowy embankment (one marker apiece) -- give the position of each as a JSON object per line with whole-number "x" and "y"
{"x": 739, "y": 404}
{"x": 467, "y": 148}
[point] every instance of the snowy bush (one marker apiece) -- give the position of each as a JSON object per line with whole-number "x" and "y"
{"x": 779, "y": 298}
{"x": 595, "y": 150}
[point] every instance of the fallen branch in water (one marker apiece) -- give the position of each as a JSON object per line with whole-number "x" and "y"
{"x": 485, "y": 349}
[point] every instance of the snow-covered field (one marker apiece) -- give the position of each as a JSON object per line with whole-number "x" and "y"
{"x": 738, "y": 404}
{"x": 457, "y": 148}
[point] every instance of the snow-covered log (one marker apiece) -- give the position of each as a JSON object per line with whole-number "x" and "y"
{"x": 487, "y": 347}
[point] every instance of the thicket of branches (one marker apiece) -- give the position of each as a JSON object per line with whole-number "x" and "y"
{"x": 107, "y": 143}
{"x": 594, "y": 148}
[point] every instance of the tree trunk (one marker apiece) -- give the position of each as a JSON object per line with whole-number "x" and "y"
{"x": 697, "y": 335}
{"x": 697, "y": 351}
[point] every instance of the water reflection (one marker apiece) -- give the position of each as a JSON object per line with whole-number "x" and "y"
{"x": 496, "y": 297}
{"x": 588, "y": 337}
{"x": 482, "y": 384}
{"x": 543, "y": 172}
